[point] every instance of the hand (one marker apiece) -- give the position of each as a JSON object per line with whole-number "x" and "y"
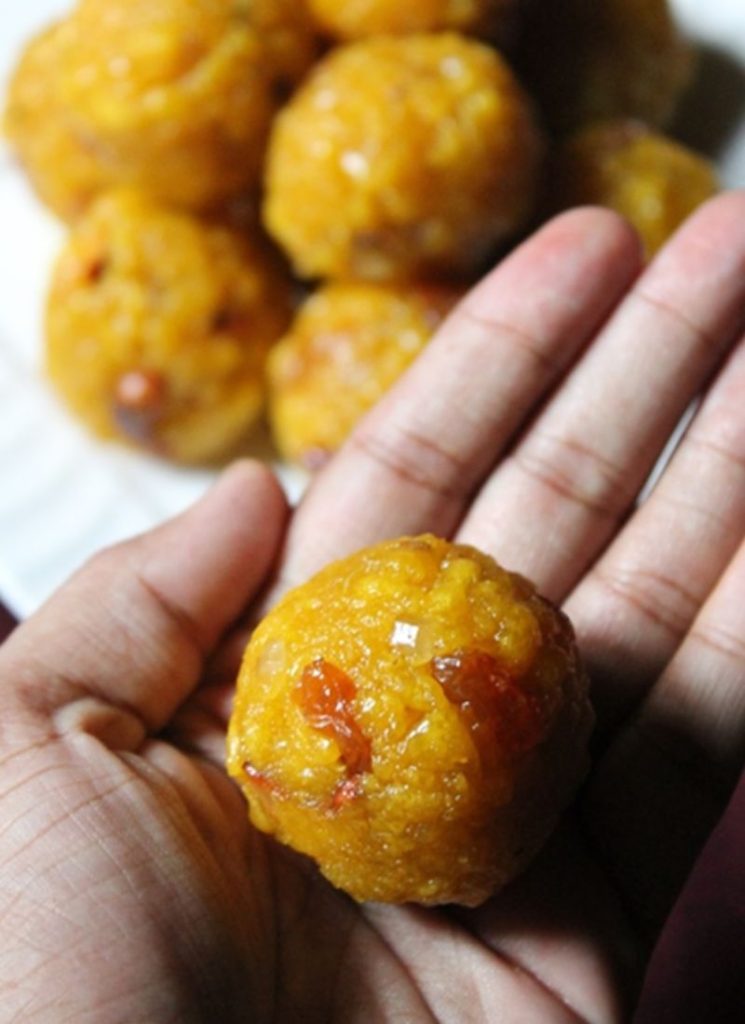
{"x": 132, "y": 886}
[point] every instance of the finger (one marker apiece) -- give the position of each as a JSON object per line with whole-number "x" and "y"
{"x": 559, "y": 921}
{"x": 635, "y": 606}
{"x": 413, "y": 462}
{"x": 561, "y": 494}
{"x": 489, "y": 987}
{"x": 700, "y": 697}
{"x": 199, "y": 726}
{"x": 132, "y": 628}
{"x": 679, "y": 756}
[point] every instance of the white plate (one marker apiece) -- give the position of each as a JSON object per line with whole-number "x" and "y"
{"x": 62, "y": 494}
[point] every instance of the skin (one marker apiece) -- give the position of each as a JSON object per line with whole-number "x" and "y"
{"x": 132, "y": 888}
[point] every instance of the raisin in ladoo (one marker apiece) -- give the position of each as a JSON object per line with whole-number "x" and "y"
{"x": 414, "y": 718}
{"x": 348, "y": 344}
{"x": 651, "y": 180}
{"x": 401, "y": 158}
{"x": 158, "y": 325}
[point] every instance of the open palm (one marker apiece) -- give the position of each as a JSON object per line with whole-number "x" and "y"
{"x": 132, "y": 887}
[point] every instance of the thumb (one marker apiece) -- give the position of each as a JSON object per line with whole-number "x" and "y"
{"x": 133, "y": 627}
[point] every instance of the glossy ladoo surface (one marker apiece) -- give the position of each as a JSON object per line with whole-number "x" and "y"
{"x": 348, "y": 344}
{"x": 401, "y": 158}
{"x": 158, "y": 326}
{"x": 174, "y": 97}
{"x": 414, "y": 718}
{"x": 356, "y": 18}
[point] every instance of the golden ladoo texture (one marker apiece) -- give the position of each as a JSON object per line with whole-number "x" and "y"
{"x": 158, "y": 326}
{"x": 356, "y": 18}
{"x": 62, "y": 169}
{"x": 409, "y": 158}
{"x": 175, "y": 97}
{"x": 348, "y": 344}
{"x": 414, "y": 718}
{"x": 587, "y": 60}
{"x": 402, "y": 157}
{"x": 652, "y": 181}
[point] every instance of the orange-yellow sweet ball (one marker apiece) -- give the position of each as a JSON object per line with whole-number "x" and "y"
{"x": 348, "y": 344}
{"x": 414, "y": 718}
{"x": 650, "y": 179}
{"x": 158, "y": 325}
{"x": 402, "y": 157}
{"x": 356, "y": 18}
{"x": 173, "y": 97}
{"x": 61, "y": 166}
